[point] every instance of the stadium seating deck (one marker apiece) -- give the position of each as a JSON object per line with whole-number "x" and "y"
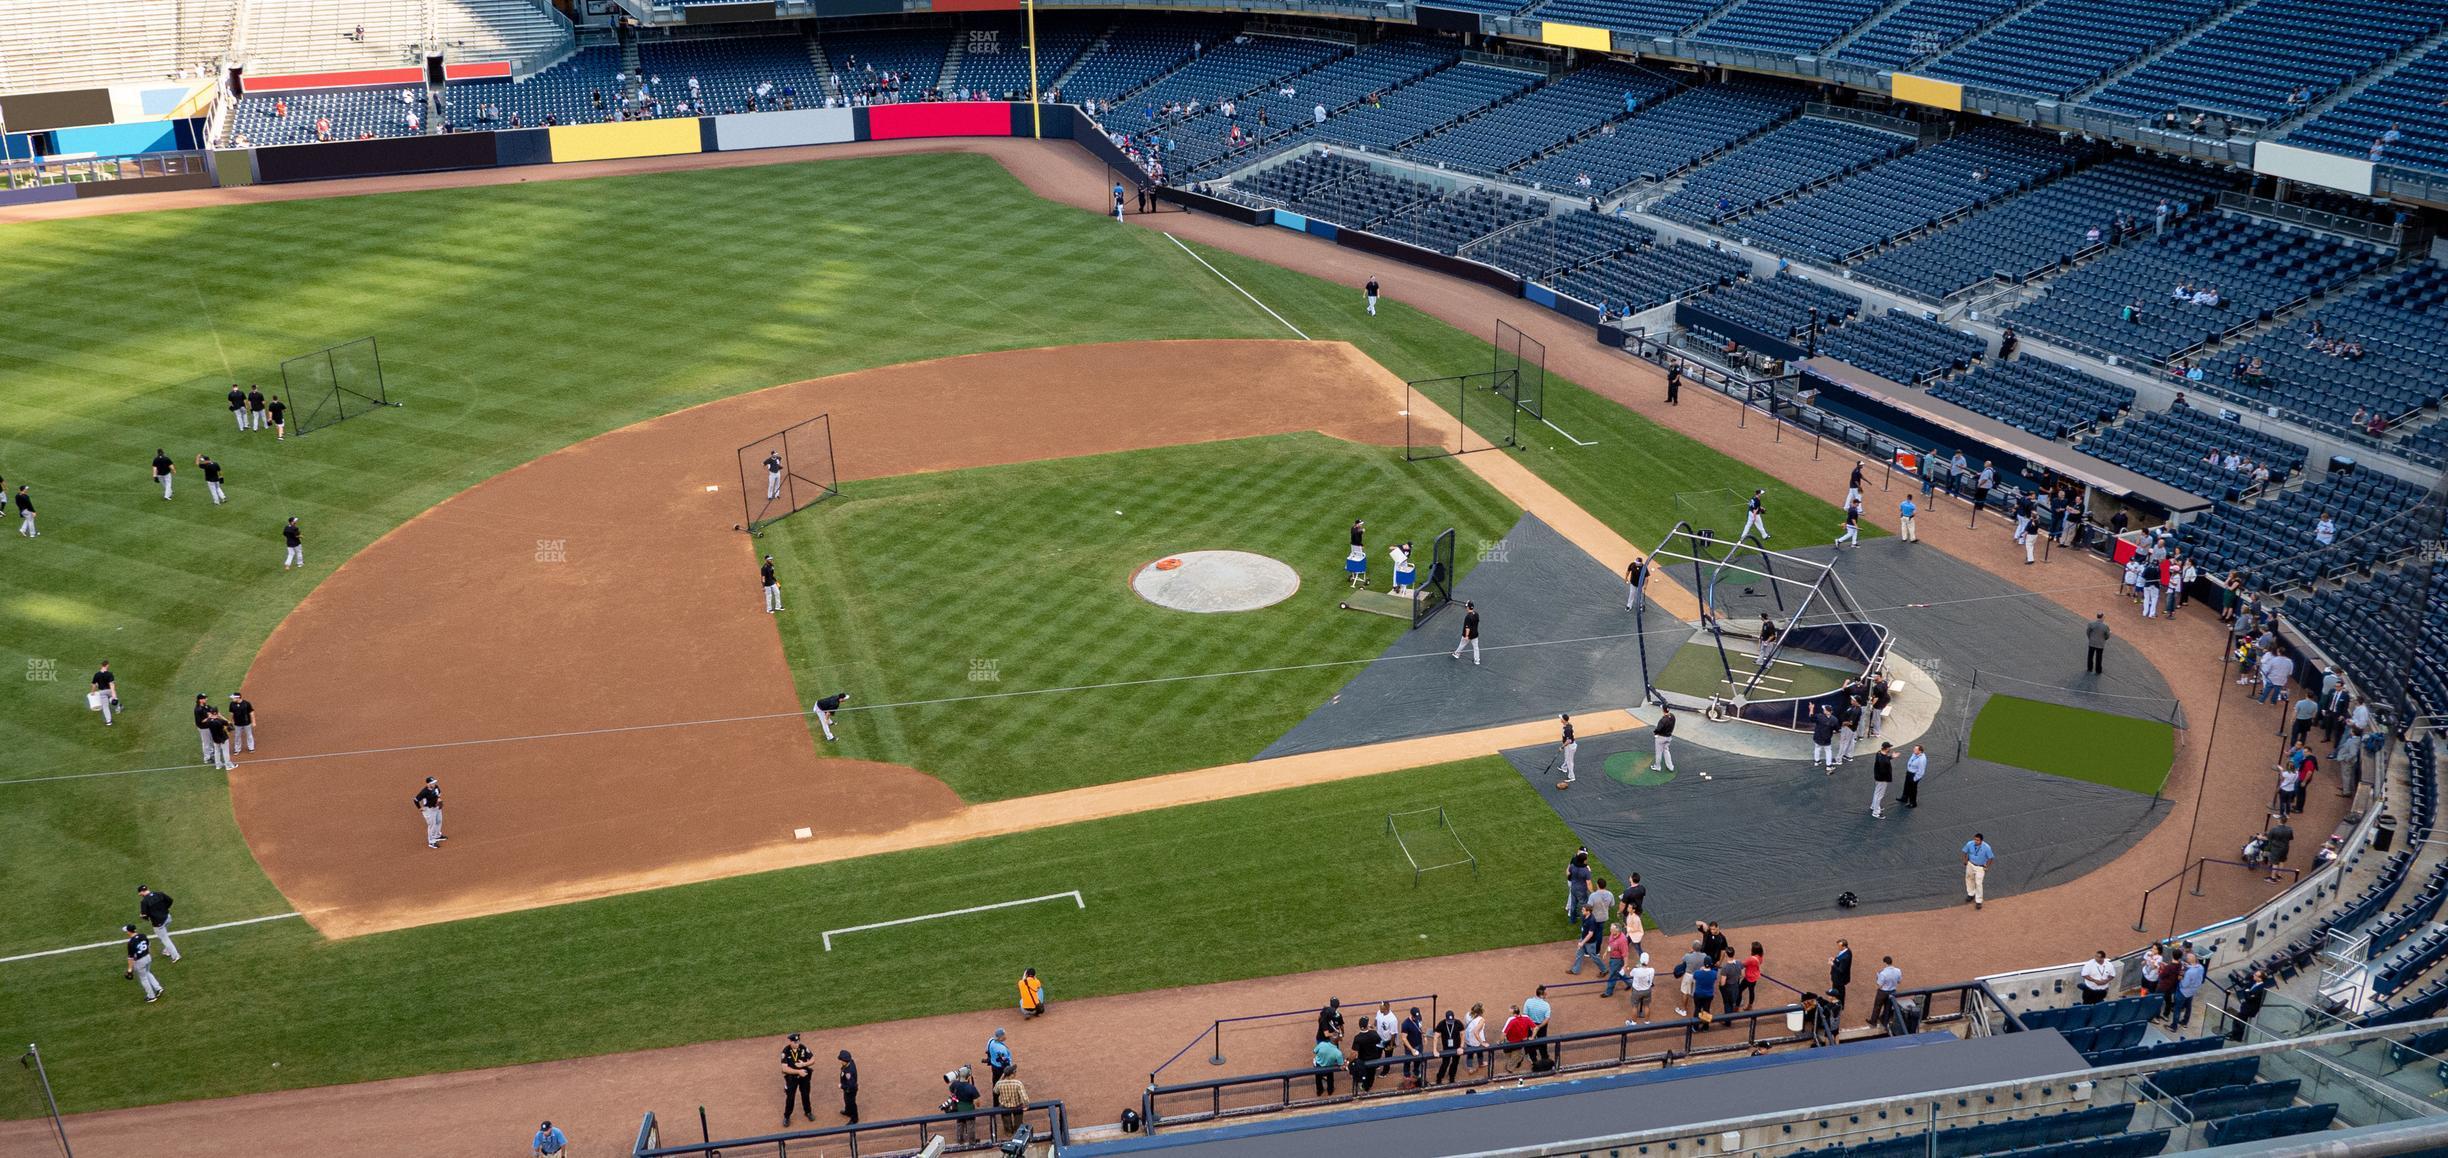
{"x": 994, "y": 58}
{"x": 1135, "y": 54}
{"x": 1787, "y": 25}
{"x": 1776, "y": 165}
{"x": 2045, "y": 398}
{"x": 1781, "y": 305}
{"x": 2408, "y": 101}
{"x": 1903, "y": 347}
{"x": 1648, "y": 276}
{"x": 860, "y": 60}
{"x": 2059, "y": 46}
{"x": 1662, "y": 139}
{"x": 2401, "y": 368}
{"x": 2227, "y": 68}
{"x": 1555, "y": 112}
{"x": 2174, "y": 446}
{"x": 59, "y": 44}
{"x": 1886, "y": 202}
{"x": 1920, "y": 28}
{"x": 353, "y": 113}
{"x": 565, "y": 93}
{"x": 728, "y": 70}
{"x": 2257, "y": 267}
{"x": 1403, "y": 114}
{"x": 1447, "y": 221}
{"x": 1634, "y": 17}
{"x": 2271, "y": 540}
{"x": 2040, "y": 231}
{"x": 1561, "y": 241}
{"x": 322, "y": 35}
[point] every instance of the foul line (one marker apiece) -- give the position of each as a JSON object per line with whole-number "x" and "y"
{"x": 1237, "y": 285}
{"x": 181, "y": 932}
{"x": 1566, "y": 433}
{"x": 1074, "y": 894}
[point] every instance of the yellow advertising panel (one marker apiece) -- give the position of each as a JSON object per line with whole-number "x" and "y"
{"x": 1921, "y": 90}
{"x": 1574, "y": 36}
{"x": 629, "y": 139}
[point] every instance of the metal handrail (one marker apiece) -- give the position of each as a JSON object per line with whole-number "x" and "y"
{"x": 1215, "y": 1029}
{"x": 2142, "y": 918}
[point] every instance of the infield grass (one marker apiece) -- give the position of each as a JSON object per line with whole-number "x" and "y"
{"x": 998, "y": 600}
{"x": 514, "y": 320}
{"x": 2119, "y": 751}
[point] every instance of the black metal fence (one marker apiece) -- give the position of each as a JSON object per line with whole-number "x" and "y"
{"x": 986, "y": 1130}
{"x": 1429, "y": 402}
{"x": 1969, "y": 1005}
{"x": 786, "y": 471}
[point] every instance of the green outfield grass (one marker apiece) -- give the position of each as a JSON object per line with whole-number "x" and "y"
{"x": 2118, "y": 751}
{"x": 1210, "y": 892}
{"x": 514, "y": 320}
{"x": 916, "y": 607}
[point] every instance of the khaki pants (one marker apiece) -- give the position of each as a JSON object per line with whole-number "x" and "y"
{"x": 1975, "y": 878}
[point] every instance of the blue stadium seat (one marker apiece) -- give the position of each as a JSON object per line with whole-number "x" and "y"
{"x": 2058, "y": 46}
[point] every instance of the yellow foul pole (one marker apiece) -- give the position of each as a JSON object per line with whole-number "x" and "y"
{"x": 1036, "y": 112}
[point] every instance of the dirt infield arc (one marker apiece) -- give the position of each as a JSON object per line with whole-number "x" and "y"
{"x": 602, "y": 588}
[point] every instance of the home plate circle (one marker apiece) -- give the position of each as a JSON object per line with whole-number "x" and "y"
{"x": 1207, "y": 581}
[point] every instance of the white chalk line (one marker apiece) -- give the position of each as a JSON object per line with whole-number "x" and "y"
{"x": 1074, "y": 894}
{"x": 1236, "y": 285}
{"x": 1566, "y": 433}
{"x": 180, "y": 932}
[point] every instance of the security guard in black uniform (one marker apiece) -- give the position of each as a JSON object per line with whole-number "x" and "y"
{"x": 798, "y": 1077}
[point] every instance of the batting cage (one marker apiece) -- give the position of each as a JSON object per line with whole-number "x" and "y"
{"x": 1526, "y": 358}
{"x": 789, "y": 470}
{"x": 1779, "y": 634}
{"x": 333, "y": 384}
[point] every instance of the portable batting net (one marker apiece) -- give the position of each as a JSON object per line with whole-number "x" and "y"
{"x": 1428, "y": 842}
{"x": 787, "y": 471}
{"x": 333, "y": 384}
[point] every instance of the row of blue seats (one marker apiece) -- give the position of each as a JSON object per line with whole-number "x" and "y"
{"x": 2411, "y": 917}
{"x": 1650, "y": 276}
{"x": 2058, "y": 46}
{"x": 1550, "y": 115}
{"x": 2228, "y": 68}
{"x": 1639, "y": 18}
{"x": 1773, "y": 166}
{"x": 2049, "y": 399}
{"x": 2172, "y": 446}
{"x": 2342, "y": 620}
{"x": 1992, "y": 1137}
{"x": 1136, "y": 53}
{"x": 1562, "y": 241}
{"x": 1903, "y": 347}
{"x": 1663, "y": 139}
{"x": 1781, "y": 306}
{"x": 2272, "y": 540}
{"x": 1796, "y": 26}
{"x": 1919, "y": 29}
{"x": 1917, "y": 191}
{"x": 2409, "y": 962}
{"x": 1406, "y": 113}
{"x": 2155, "y": 1051}
{"x": 2117, "y": 1012}
{"x": 2407, "y": 101}
{"x": 2043, "y": 230}
{"x": 2401, "y": 367}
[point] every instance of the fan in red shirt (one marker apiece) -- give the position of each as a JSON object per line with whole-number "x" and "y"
{"x": 1517, "y": 1029}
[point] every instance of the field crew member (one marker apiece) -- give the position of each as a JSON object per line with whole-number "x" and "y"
{"x": 429, "y": 802}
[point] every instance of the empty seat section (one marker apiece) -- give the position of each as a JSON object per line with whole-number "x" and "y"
{"x": 1797, "y": 26}
{"x": 2042, "y": 230}
{"x": 1920, "y": 28}
{"x": 2045, "y": 398}
{"x": 1555, "y": 112}
{"x": 2059, "y": 46}
{"x": 1780, "y": 163}
{"x": 1662, "y": 139}
{"x": 1914, "y": 192}
{"x": 2239, "y": 66}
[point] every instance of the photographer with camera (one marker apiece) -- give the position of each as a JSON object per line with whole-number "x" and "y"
{"x": 963, "y": 1098}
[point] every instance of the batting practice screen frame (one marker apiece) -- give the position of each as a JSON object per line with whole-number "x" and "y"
{"x": 334, "y": 384}
{"x": 810, "y": 475}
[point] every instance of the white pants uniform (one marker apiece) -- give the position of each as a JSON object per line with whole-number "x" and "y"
{"x": 165, "y": 482}
{"x": 1976, "y": 881}
{"x": 1471, "y": 642}
{"x": 773, "y": 485}
{"x": 215, "y": 488}
{"x": 1852, "y": 496}
{"x": 107, "y": 704}
{"x": 433, "y": 826}
{"x": 1878, "y": 797}
{"x": 144, "y": 977}
{"x": 1823, "y": 754}
{"x": 244, "y": 743}
{"x": 204, "y": 741}
{"x": 1753, "y": 522}
{"x": 2031, "y": 543}
{"x": 1845, "y": 738}
{"x": 255, "y": 421}
{"x": 240, "y": 416}
{"x": 773, "y": 597}
{"x": 1569, "y": 751}
{"x": 221, "y": 756}
{"x": 2022, "y": 529}
{"x": 2150, "y": 601}
{"x": 1372, "y": 305}
{"x": 161, "y": 938}
{"x": 293, "y": 557}
{"x": 824, "y": 719}
{"x": 1663, "y": 746}
{"x": 25, "y": 525}
{"x": 1851, "y": 534}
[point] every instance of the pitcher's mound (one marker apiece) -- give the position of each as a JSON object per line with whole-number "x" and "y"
{"x": 1207, "y": 581}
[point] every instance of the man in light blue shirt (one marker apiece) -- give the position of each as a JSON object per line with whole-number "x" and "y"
{"x": 1328, "y": 1057}
{"x": 1977, "y": 855}
{"x": 1538, "y": 1011}
{"x": 998, "y": 1055}
{"x": 1915, "y": 766}
{"x": 2187, "y": 984}
{"x": 549, "y": 1140}
{"x": 1904, "y": 517}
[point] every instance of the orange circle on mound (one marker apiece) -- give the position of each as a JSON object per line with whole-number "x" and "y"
{"x": 1167, "y": 564}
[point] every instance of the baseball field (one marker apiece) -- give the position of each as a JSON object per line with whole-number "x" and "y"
{"x": 524, "y": 580}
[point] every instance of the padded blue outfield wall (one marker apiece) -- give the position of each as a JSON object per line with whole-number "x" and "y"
{"x": 117, "y": 140}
